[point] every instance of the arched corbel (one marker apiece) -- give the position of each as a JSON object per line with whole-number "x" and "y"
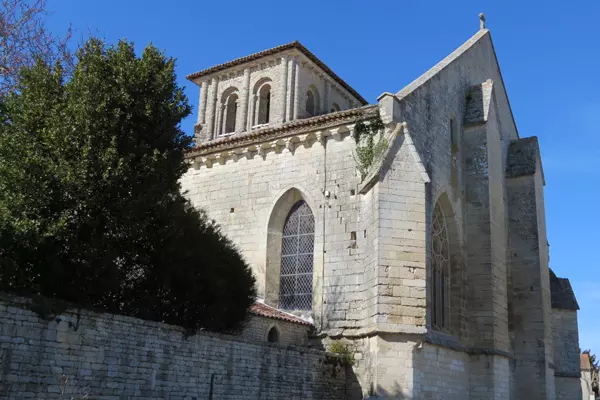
{"x": 336, "y": 134}
{"x": 291, "y": 143}
{"x": 279, "y": 145}
{"x": 250, "y": 151}
{"x": 308, "y": 139}
{"x": 222, "y": 157}
{"x": 264, "y": 148}
{"x": 321, "y": 136}
{"x": 208, "y": 161}
{"x": 237, "y": 153}
{"x": 196, "y": 163}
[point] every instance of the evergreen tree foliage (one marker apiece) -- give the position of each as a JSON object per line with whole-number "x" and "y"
{"x": 90, "y": 205}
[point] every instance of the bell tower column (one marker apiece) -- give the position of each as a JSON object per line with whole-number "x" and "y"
{"x": 296, "y": 87}
{"x": 211, "y": 108}
{"x": 284, "y": 88}
{"x": 242, "y": 117}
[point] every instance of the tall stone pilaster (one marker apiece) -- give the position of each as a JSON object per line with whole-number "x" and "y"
{"x": 211, "y": 109}
{"x": 531, "y": 314}
{"x": 327, "y": 97}
{"x": 243, "y": 109}
{"x": 296, "y": 88}
{"x": 202, "y": 102}
{"x": 283, "y": 91}
{"x": 289, "y": 83}
{"x": 486, "y": 243}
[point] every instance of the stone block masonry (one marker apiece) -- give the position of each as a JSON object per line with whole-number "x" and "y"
{"x": 116, "y": 357}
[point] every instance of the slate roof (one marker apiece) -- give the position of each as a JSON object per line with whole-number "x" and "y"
{"x": 286, "y": 129}
{"x": 274, "y": 50}
{"x": 264, "y": 310}
{"x": 562, "y": 293}
{"x": 522, "y": 157}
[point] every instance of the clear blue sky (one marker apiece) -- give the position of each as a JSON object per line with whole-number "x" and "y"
{"x": 549, "y": 53}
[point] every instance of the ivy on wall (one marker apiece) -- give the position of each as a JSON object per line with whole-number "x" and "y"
{"x": 370, "y": 143}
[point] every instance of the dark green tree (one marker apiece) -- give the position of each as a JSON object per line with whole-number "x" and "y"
{"x": 90, "y": 205}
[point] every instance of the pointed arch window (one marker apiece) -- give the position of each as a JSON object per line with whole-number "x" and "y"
{"x": 440, "y": 261}
{"x": 297, "y": 254}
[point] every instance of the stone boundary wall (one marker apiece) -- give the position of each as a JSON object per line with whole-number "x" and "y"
{"x": 113, "y": 357}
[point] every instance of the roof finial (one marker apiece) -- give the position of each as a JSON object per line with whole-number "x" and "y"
{"x": 481, "y": 21}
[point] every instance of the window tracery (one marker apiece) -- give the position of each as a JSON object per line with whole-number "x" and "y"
{"x": 297, "y": 253}
{"x": 440, "y": 262}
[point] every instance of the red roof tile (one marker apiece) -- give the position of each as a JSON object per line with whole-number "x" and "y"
{"x": 264, "y": 310}
{"x": 584, "y": 361}
{"x": 274, "y": 50}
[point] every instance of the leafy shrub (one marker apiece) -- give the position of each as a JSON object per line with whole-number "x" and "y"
{"x": 90, "y": 205}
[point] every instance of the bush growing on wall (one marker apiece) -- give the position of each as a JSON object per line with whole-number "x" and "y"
{"x": 90, "y": 204}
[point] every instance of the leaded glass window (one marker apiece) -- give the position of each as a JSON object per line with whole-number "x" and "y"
{"x": 297, "y": 248}
{"x": 440, "y": 261}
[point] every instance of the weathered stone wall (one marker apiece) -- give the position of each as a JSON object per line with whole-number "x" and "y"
{"x": 429, "y": 105}
{"x": 435, "y": 372}
{"x": 528, "y": 317}
{"x": 116, "y": 357}
{"x": 248, "y": 197}
{"x": 566, "y": 354}
{"x": 490, "y": 378}
{"x": 290, "y": 334}
{"x": 568, "y": 388}
{"x": 467, "y": 178}
{"x": 585, "y": 386}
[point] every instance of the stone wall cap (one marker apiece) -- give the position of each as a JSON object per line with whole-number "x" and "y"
{"x": 477, "y": 104}
{"x": 385, "y": 94}
{"x": 562, "y": 294}
{"x": 522, "y": 157}
{"x": 274, "y": 50}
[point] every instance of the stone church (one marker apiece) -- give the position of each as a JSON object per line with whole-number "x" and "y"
{"x": 413, "y": 230}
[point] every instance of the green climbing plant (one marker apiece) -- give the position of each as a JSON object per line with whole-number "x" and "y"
{"x": 370, "y": 143}
{"x": 343, "y": 354}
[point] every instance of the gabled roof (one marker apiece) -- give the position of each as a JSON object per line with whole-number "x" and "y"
{"x": 263, "y": 310}
{"x": 442, "y": 64}
{"x": 274, "y": 50}
{"x": 456, "y": 54}
{"x": 562, "y": 293}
